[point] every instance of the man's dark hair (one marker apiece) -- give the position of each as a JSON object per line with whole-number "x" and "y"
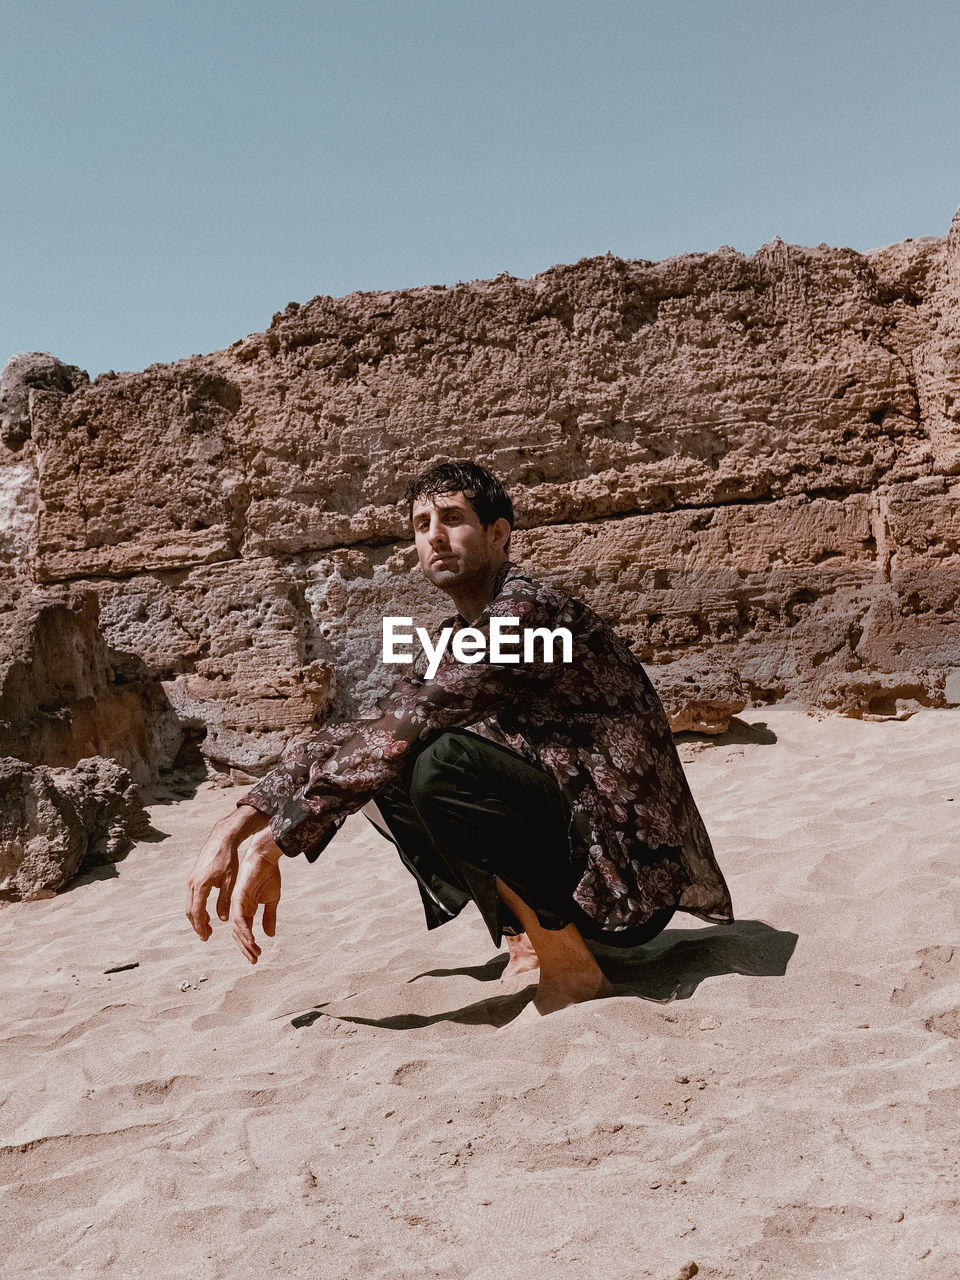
{"x": 484, "y": 491}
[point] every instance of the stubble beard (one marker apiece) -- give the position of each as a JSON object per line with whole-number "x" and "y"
{"x": 457, "y": 575}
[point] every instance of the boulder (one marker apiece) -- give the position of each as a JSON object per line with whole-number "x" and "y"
{"x": 698, "y": 698}
{"x": 877, "y": 695}
{"x": 55, "y": 822}
{"x": 23, "y": 375}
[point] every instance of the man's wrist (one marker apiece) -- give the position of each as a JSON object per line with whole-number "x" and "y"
{"x": 264, "y": 846}
{"x": 244, "y": 821}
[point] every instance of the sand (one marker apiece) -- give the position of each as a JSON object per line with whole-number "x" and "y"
{"x": 774, "y": 1099}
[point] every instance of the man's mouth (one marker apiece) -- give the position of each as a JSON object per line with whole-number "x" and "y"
{"x": 438, "y": 559}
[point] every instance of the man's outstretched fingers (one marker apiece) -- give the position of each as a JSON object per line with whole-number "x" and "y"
{"x": 257, "y": 882}
{"x": 197, "y": 911}
{"x": 215, "y": 868}
{"x": 223, "y": 897}
{"x": 243, "y": 936}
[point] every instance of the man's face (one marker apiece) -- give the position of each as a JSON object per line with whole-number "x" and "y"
{"x": 454, "y": 548}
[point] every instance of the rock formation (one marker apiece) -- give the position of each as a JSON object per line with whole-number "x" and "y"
{"x": 699, "y": 698}
{"x": 746, "y": 463}
{"x": 65, "y": 695}
{"x": 54, "y": 822}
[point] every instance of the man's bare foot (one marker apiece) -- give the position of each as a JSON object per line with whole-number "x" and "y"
{"x": 569, "y": 973}
{"x": 523, "y": 958}
{"x": 551, "y": 997}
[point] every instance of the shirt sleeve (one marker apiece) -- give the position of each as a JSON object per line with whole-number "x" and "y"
{"x": 320, "y": 782}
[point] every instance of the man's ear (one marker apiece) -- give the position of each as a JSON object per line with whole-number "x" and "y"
{"x": 501, "y": 531}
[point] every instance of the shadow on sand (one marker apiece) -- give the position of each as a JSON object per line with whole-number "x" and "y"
{"x": 668, "y": 968}
{"x": 174, "y": 785}
{"x": 736, "y": 734}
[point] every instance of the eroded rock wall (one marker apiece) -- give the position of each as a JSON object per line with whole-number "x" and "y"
{"x": 745, "y": 462}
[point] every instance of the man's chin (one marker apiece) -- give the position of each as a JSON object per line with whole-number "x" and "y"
{"x": 442, "y": 577}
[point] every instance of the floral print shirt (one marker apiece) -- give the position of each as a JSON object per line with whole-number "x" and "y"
{"x": 595, "y": 724}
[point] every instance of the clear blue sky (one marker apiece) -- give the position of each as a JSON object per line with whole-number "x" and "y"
{"x": 174, "y": 171}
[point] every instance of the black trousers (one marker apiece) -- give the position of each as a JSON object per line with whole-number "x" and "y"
{"x": 466, "y": 812}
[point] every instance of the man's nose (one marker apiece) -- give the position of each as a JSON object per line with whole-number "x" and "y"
{"x": 437, "y": 534}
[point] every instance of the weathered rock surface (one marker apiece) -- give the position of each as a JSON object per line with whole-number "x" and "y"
{"x": 747, "y": 463}
{"x": 53, "y": 822}
{"x": 64, "y": 694}
{"x": 699, "y": 700}
{"x": 24, "y": 374}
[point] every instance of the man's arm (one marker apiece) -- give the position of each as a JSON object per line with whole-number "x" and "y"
{"x": 322, "y": 781}
{"x": 217, "y": 863}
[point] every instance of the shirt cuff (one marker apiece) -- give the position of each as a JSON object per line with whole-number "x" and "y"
{"x": 255, "y": 802}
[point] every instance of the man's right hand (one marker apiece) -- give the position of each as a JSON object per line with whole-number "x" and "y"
{"x": 216, "y": 866}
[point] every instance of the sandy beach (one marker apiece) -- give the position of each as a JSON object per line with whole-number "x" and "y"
{"x": 774, "y": 1099}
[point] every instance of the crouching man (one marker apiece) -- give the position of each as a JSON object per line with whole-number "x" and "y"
{"x": 548, "y": 792}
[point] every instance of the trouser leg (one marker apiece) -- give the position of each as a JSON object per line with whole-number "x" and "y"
{"x": 442, "y": 891}
{"x": 466, "y": 813}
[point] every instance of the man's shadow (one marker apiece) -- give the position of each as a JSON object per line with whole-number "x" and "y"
{"x": 669, "y": 967}
{"x": 672, "y": 965}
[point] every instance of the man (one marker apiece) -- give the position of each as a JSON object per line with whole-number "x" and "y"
{"x": 548, "y": 793}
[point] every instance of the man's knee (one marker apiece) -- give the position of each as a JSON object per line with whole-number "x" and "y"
{"x": 432, "y": 768}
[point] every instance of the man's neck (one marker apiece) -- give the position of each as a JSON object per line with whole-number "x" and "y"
{"x": 472, "y": 598}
